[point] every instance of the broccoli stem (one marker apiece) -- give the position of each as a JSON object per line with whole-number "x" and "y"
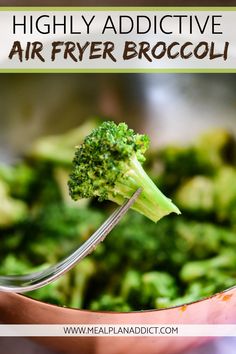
{"x": 196, "y": 269}
{"x": 151, "y": 202}
{"x": 81, "y": 276}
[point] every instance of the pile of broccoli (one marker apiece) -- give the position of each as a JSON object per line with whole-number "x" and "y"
{"x": 141, "y": 264}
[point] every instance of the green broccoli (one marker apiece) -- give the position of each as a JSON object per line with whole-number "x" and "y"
{"x": 11, "y": 210}
{"x": 155, "y": 285}
{"x": 204, "y": 195}
{"x": 142, "y": 265}
{"x": 216, "y": 148}
{"x": 108, "y": 165}
{"x": 175, "y": 164}
{"x": 108, "y": 302}
{"x": 11, "y": 264}
{"x": 59, "y": 149}
{"x": 59, "y": 228}
{"x": 80, "y": 278}
{"x": 201, "y": 239}
{"x": 142, "y": 290}
{"x": 20, "y": 179}
{"x": 225, "y": 260}
{"x": 214, "y": 281}
{"x": 131, "y": 287}
{"x": 225, "y": 193}
{"x": 54, "y": 293}
{"x": 196, "y": 195}
{"x": 178, "y": 163}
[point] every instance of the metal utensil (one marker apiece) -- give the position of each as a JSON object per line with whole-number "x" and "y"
{"x": 35, "y": 280}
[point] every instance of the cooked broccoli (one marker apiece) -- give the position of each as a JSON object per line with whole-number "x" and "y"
{"x": 197, "y": 269}
{"x": 54, "y": 293}
{"x": 131, "y": 287}
{"x": 174, "y": 164}
{"x": 133, "y": 243}
{"x": 51, "y": 157}
{"x": 80, "y": 277}
{"x": 59, "y": 228}
{"x": 11, "y": 210}
{"x": 216, "y": 148}
{"x": 179, "y": 162}
{"x": 196, "y": 195}
{"x": 108, "y": 165}
{"x": 20, "y": 179}
{"x": 108, "y": 302}
{"x": 201, "y": 239}
{"x": 11, "y": 264}
{"x": 61, "y": 178}
{"x": 59, "y": 149}
{"x": 142, "y": 290}
{"x": 212, "y": 282}
{"x": 225, "y": 193}
{"x": 142, "y": 265}
{"x": 210, "y": 195}
{"x": 155, "y": 285}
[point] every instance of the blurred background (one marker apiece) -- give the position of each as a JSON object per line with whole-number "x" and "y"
{"x": 171, "y": 108}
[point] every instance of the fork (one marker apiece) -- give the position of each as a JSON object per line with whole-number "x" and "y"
{"x": 36, "y": 280}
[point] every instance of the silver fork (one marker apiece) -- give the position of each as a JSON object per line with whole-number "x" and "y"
{"x": 36, "y": 280}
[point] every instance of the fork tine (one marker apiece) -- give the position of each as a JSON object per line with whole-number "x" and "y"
{"x": 89, "y": 245}
{"x": 28, "y": 282}
{"x": 107, "y": 226}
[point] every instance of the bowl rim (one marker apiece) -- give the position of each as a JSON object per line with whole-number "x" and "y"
{"x": 215, "y": 295}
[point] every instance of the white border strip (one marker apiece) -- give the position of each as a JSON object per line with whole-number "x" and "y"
{"x": 115, "y": 330}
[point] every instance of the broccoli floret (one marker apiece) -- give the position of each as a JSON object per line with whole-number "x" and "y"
{"x": 69, "y": 289}
{"x": 197, "y": 269}
{"x": 80, "y": 277}
{"x": 212, "y": 282}
{"x": 59, "y": 228}
{"x": 216, "y": 195}
{"x": 20, "y": 179}
{"x": 196, "y": 195}
{"x": 173, "y": 164}
{"x": 202, "y": 239}
{"x": 135, "y": 243}
{"x": 54, "y": 293}
{"x": 12, "y": 210}
{"x": 225, "y": 193}
{"x": 61, "y": 221}
{"x": 46, "y": 189}
{"x": 109, "y": 302}
{"x": 143, "y": 290}
{"x": 11, "y": 264}
{"x": 131, "y": 287}
{"x": 61, "y": 177}
{"x": 108, "y": 165}
{"x": 180, "y": 162}
{"x": 59, "y": 149}
{"x": 155, "y": 285}
{"x": 216, "y": 148}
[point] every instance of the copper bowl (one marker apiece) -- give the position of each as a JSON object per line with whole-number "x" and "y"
{"x": 217, "y": 309}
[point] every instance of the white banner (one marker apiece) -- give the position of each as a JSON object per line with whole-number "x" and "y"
{"x": 126, "y": 39}
{"x": 138, "y": 330}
